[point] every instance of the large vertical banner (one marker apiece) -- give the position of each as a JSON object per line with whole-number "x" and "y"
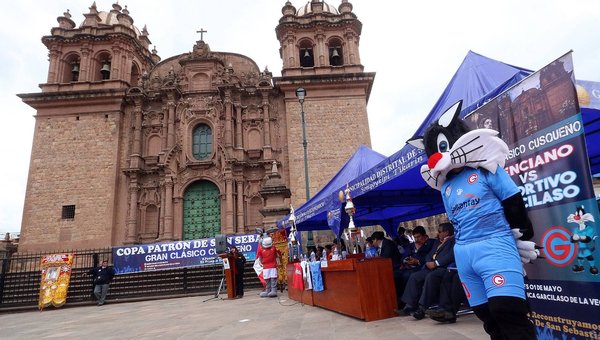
{"x": 541, "y": 122}
{"x": 56, "y": 275}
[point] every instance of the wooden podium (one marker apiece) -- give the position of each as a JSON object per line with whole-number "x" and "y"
{"x": 229, "y": 271}
{"x": 358, "y": 287}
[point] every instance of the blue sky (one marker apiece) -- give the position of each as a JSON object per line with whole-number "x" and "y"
{"x": 414, "y": 47}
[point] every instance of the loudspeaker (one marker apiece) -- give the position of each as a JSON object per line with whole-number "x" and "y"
{"x": 221, "y": 243}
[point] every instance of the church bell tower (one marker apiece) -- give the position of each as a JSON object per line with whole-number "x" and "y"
{"x": 319, "y": 46}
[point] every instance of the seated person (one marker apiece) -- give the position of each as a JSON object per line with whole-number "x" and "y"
{"x": 370, "y": 249}
{"x": 452, "y": 295}
{"x": 423, "y": 286}
{"x": 417, "y": 251}
{"x": 387, "y": 248}
{"x": 402, "y": 241}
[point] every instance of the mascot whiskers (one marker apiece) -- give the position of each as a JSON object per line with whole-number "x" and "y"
{"x": 492, "y": 229}
{"x": 585, "y": 237}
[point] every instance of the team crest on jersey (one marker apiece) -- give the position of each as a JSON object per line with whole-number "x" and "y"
{"x": 448, "y": 191}
{"x": 472, "y": 179}
{"x": 498, "y": 280}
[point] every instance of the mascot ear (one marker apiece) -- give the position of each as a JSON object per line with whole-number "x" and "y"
{"x": 450, "y": 114}
{"x": 417, "y": 142}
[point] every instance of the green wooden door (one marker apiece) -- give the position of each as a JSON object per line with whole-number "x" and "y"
{"x": 201, "y": 211}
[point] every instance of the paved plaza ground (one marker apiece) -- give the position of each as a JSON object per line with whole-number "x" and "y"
{"x": 251, "y": 317}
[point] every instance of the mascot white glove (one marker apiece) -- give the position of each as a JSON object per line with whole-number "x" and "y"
{"x": 527, "y": 249}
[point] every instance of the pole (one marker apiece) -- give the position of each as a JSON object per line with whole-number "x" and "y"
{"x": 310, "y": 242}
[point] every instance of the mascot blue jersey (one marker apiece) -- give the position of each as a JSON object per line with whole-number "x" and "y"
{"x": 473, "y": 200}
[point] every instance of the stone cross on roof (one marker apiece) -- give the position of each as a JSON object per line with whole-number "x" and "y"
{"x": 202, "y": 31}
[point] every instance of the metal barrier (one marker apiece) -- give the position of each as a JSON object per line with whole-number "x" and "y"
{"x": 21, "y": 274}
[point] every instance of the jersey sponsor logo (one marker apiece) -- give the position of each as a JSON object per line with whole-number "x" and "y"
{"x": 558, "y": 248}
{"x": 498, "y": 280}
{"x": 472, "y": 179}
{"x": 459, "y": 191}
{"x": 468, "y": 204}
{"x": 448, "y": 191}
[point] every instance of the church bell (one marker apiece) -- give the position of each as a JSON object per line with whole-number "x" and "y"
{"x": 105, "y": 70}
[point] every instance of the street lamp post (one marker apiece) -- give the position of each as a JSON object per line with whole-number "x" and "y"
{"x": 300, "y": 94}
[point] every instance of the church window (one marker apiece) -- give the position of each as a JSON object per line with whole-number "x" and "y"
{"x": 335, "y": 53}
{"x": 68, "y": 212}
{"x": 202, "y": 142}
{"x": 135, "y": 75}
{"x": 307, "y": 58}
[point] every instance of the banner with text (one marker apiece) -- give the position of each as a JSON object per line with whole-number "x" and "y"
{"x": 178, "y": 254}
{"x": 540, "y": 120}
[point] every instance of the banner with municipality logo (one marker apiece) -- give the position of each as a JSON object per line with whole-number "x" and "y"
{"x": 178, "y": 254}
{"x": 540, "y": 120}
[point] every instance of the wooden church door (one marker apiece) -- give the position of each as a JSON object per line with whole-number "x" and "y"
{"x": 201, "y": 211}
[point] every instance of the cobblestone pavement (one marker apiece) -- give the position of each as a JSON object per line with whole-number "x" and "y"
{"x": 251, "y": 317}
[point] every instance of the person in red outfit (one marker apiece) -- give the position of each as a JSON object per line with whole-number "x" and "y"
{"x": 268, "y": 256}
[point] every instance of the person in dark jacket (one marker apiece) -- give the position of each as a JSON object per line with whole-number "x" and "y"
{"x": 103, "y": 276}
{"x": 240, "y": 262}
{"x": 388, "y": 249}
{"x": 423, "y": 286}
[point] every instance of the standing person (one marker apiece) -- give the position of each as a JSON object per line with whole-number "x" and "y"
{"x": 103, "y": 276}
{"x": 490, "y": 219}
{"x": 268, "y": 256}
{"x": 240, "y": 264}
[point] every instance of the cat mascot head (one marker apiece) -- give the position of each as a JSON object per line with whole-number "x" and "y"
{"x": 450, "y": 144}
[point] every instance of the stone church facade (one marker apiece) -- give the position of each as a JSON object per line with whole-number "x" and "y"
{"x": 129, "y": 148}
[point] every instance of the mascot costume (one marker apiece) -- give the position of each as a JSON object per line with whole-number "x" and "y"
{"x": 488, "y": 213}
{"x": 268, "y": 255}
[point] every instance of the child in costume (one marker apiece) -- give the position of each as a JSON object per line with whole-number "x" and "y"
{"x": 488, "y": 213}
{"x": 268, "y": 256}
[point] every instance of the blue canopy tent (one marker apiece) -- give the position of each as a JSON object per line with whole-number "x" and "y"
{"x": 393, "y": 191}
{"x": 312, "y": 215}
{"x": 379, "y": 197}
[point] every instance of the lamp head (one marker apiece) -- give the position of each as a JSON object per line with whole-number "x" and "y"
{"x": 300, "y": 94}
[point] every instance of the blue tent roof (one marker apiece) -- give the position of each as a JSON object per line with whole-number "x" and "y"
{"x": 476, "y": 79}
{"x": 363, "y": 159}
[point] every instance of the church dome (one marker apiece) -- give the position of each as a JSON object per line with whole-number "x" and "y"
{"x": 117, "y": 15}
{"x": 307, "y": 9}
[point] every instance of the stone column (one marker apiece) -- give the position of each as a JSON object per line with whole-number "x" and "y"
{"x": 322, "y": 52}
{"x": 168, "y": 209}
{"x": 228, "y": 204}
{"x": 240, "y": 206}
{"x": 171, "y": 127}
{"x": 132, "y": 215}
{"x": 54, "y": 56}
{"x": 238, "y": 126}
{"x": 84, "y": 64}
{"x": 161, "y": 226}
{"x": 136, "y": 152}
{"x": 266, "y": 126}
{"x": 115, "y": 63}
{"x": 228, "y": 121}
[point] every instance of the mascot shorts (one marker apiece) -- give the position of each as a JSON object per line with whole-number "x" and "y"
{"x": 269, "y": 273}
{"x": 490, "y": 267}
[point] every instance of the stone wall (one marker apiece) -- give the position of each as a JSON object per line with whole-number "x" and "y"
{"x": 73, "y": 162}
{"x": 335, "y": 127}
